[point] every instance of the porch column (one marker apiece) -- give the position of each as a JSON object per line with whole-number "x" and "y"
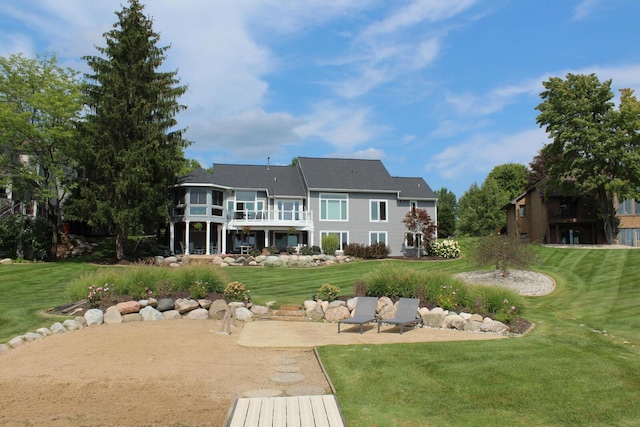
{"x": 171, "y": 237}
{"x": 266, "y": 238}
{"x": 223, "y": 239}
{"x": 208, "y": 239}
{"x": 187, "y": 231}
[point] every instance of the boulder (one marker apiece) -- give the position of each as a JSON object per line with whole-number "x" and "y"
{"x": 204, "y": 303}
{"x": 112, "y": 315}
{"x": 437, "y": 310}
{"x": 172, "y": 314}
{"x": 82, "y": 320}
{"x": 72, "y": 325}
{"x": 16, "y": 342}
{"x": 473, "y": 326}
{"x": 476, "y": 318}
{"x": 454, "y": 321}
{"x": 387, "y": 311}
{"x": 218, "y": 308}
{"x": 498, "y": 327}
{"x": 132, "y": 317}
{"x": 45, "y": 332}
{"x": 433, "y": 320}
{"x": 184, "y": 305}
{"x": 197, "y": 314}
{"x": 315, "y": 314}
{"x": 383, "y": 302}
{"x": 153, "y": 302}
{"x": 150, "y": 313}
{"x": 4, "y": 348}
{"x": 170, "y": 260}
{"x": 6, "y": 261}
{"x": 465, "y": 316}
{"x": 243, "y": 313}
{"x": 165, "y": 304}
{"x": 310, "y": 305}
{"x": 128, "y": 307}
{"x": 334, "y": 314}
{"x": 58, "y": 328}
{"x": 338, "y": 303}
{"x": 32, "y": 336}
{"x": 259, "y": 310}
{"x": 351, "y": 303}
{"x": 94, "y": 316}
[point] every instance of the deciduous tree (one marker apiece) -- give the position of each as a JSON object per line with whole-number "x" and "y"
{"x": 131, "y": 150}
{"x": 421, "y": 227}
{"x": 595, "y": 149}
{"x": 447, "y": 211}
{"x": 40, "y": 103}
{"x": 480, "y": 209}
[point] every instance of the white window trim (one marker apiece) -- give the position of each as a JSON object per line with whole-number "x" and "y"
{"x": 327, "y": 196}
{"x": 386, "y": 210}
{"x": 378, "y": 233}
{"x": 340, "y": 232}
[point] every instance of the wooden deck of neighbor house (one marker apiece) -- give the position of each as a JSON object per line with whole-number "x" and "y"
{"x": 291, "y": 411}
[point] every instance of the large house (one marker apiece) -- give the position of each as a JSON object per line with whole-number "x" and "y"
{"x": 559, "y": 219}
{"x": 237, "y": 208}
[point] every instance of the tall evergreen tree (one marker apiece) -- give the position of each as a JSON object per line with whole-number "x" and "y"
{"x": 130, "y": 152}
{"x": 480, "y": 209}
{"x": 447, "y": 212}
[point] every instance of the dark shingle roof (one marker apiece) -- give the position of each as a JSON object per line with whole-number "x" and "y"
{"x": 413, "y": 188}
{"x": 345, "y": 174}
{"x": 276, "y": 180}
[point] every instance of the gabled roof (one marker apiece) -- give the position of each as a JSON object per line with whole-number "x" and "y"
{"x": 413, "y": 188}
{"x": 276, "y": 180}
{"x": 345, "y": 174}
{"x": 314, "y": 174}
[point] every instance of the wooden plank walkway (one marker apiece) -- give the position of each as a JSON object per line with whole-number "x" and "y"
{"x": 291, "y": 411}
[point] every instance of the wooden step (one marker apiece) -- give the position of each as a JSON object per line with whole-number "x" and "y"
{"x": 289, "y": 313}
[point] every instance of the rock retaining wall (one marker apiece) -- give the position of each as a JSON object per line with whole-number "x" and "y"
{"x": 260, "y": 260}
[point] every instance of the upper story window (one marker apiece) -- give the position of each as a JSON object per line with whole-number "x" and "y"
{"x": 378, "y": 211}
{"x": 198, "y": 201}
{"x": 333, "y": 207}
{"x": 246, "y": 206}
{"x": 523, "y": 210}
{"x": 624, "y": 207}
{"x": 288, "y": 209}
{"x": 217, "y": 202}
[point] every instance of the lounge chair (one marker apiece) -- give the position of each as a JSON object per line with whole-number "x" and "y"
{"x": 365, "y": 312}
{"x": 405, "y": 315}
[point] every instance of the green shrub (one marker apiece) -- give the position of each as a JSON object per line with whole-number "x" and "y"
{"x": 328, "y": 292}
{"x": 330, "y": 244}
{"x": 24, "y": 237}
{"x": 235, "y": 291}
{"x": 198, "y": 289}
{"x": 376, "y": 251}
{"x": 503, "y": 304}
{"x": 310, "y": 250}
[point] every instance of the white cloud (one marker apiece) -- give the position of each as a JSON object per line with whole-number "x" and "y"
{"x": 249, "y": 135}
{"x": 482, "y": 152}
{"x": 367, "y": 154}
{"x": 585, "y": 8}
{"x": 343, "y": 127}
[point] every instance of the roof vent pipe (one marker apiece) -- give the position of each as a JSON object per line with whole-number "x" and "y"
{"x": 268, "y": 163}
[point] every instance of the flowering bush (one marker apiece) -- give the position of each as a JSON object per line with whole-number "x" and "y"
{"x": 236, "y": 291}
{"x": 447, "y": 297}
{"x": 328, "y": 292}
{"x": 97, "y": 294}
{"x": 198, "y": 289}
{"x": 507, "y": 312}
{"x": 445, "y": 249}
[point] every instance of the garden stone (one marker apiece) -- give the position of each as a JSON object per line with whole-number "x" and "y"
{"x": 143, "y": 303}
{"x": 228, "y": 260}
{"x": 269, "y": 304}
{"x": 16, "y": 342}
{"x": 422, "y": 311}
{"x": 6, "y": 261}
{"x": 112, "y": 315}
{"x": 184, "y": 305}
{"x": 132, "y": 317}
{"x": 259, "y": 310}
{"x": 315, "y": 314}
{"x": 94, "y": 316}
{"x": 45, "y": 332}
{"x": 72, "y": 325}
{"x": 473, "y": 326}
{"x": 198, "y": 314}
{"x": 243, "y": 313}
{"x": 150, "y": 313}
{"x": 171, "y": 314}
{"x": 324, "y": 304}
{"x": 58, "y": 328}
{"x": 32, "y": 336}
{"x": 437, "y": 310}
{"x": 351, "y": 303}
{"x": 476, "y": 318}
{"x": 165, "y": 304}
{"x": 175, "y": 265}
{"x": 204, "y": 303}
{"x": 263, "y": 392}
{"x": 128, "y": 307}
{"x": 305, "y": 390}
{"x": 253, "y": 263}
{"x": 387, "y": 311}
{"x": 433, "y": 320}
{"x": 170, "y": 260}
{"x": 153, "y": 302}
{"x": 454, "y": 321}
{"x": 310, "y": 305}
{"x": 261, "y": 258}
{"x": 4, "y": 348}
{"x": 158, "y": 260}
{"x": 218, "y": 308}
{"x": 465, "y": 316}
{"x": 334, "y": 304}
{"x": 498, "y": 327}
{"x": 383, "y": 302}
{"x": 82, "y": 320}
{"x": 335, "y": 314}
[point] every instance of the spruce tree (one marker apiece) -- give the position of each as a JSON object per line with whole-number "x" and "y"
{"x": 130, "y": 150}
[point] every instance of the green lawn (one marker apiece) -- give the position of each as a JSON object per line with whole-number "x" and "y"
{"x": 580, "y": 366}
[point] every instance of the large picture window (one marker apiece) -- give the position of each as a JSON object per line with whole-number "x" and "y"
{"x": 378, "y": 211}
{"x": 333, "y": 207}
{"x": 198, "y": 201}
{"x": 378, "y": 237}
{"x": 343, "y": 237}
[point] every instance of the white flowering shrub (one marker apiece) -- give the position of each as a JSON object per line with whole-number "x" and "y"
{"x": 445, "y": 249}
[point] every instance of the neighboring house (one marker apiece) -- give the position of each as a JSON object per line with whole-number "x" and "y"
{"x": 241, "y": 207}
{"x": 10, "y": 201}
{"x": 558, "y": 219}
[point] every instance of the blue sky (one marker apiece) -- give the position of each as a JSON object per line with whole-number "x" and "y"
{"x": 442, "y": 89}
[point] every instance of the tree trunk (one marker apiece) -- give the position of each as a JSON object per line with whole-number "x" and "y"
{"x": 120, "y": 243}
{"x": 54, "y": 216}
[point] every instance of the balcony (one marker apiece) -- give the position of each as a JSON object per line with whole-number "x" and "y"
{"x": 262, "y": 218}
{"x": 571, "y": 216}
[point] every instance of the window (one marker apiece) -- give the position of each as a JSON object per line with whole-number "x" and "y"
{"x": 624, "y": 207}
{"x": 378, "y": 237}
{"x": 523, "y": 210}
{"x": 378, "y": 211}
{"x": 288, "y": 210}
{"x": 413, "y": 240}
{"x": 198, "y": 201}
{"x": 343, "y": 237}
{"x": 217, "y": 200}
{"x": 333, "y": 207}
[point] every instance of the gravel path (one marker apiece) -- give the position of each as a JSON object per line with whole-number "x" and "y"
{"x": 527, "y": 283}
